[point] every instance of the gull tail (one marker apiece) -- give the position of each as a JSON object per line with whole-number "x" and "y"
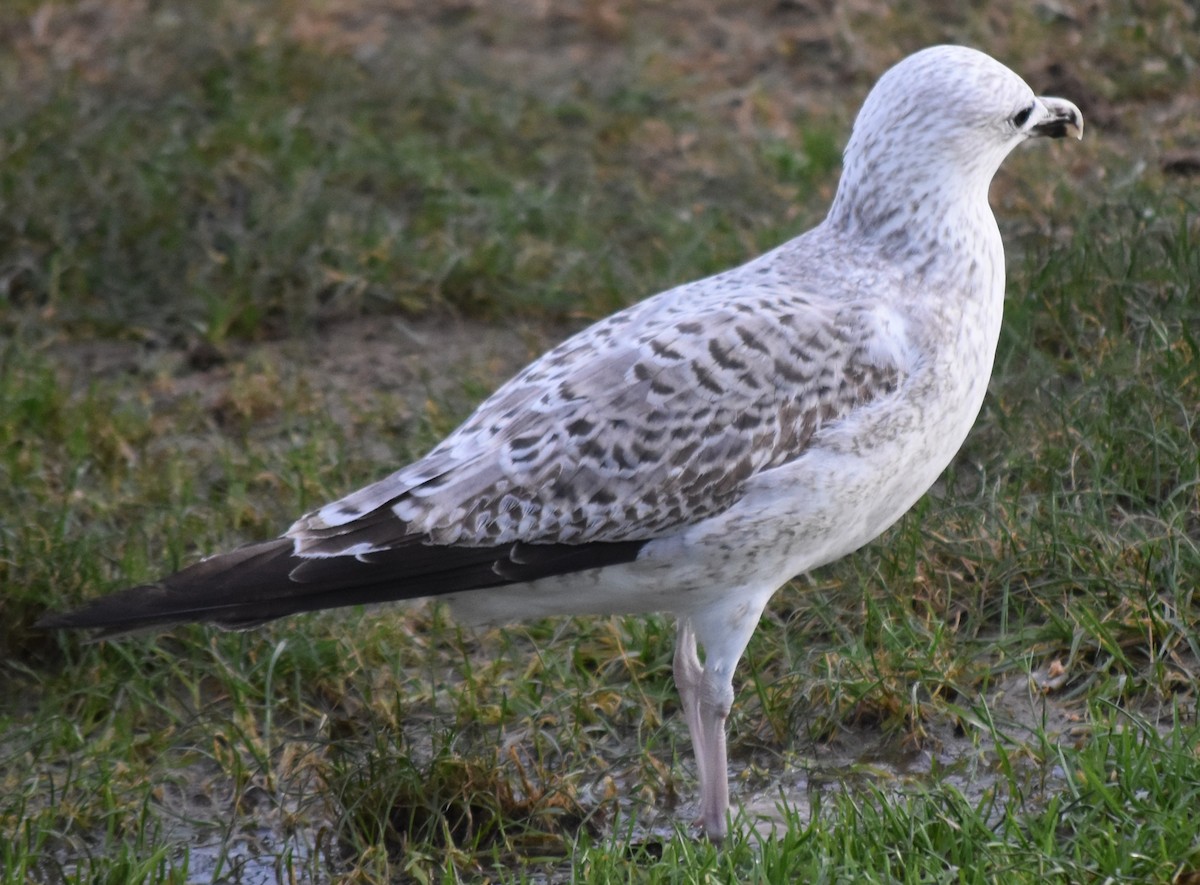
{"x": 261, "y": 582}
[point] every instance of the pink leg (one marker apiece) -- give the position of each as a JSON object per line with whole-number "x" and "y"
{"x": 715, "y": 699}
{"x": 706, "y": 691}
{"x": 706, "y": 698}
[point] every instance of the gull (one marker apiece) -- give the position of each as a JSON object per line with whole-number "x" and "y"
{"x": 692, "y": 453}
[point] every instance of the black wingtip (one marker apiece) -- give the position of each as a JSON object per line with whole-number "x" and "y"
{"x": 55, "y": 621}
{"x": 127, "y": 611}
{"x": 208, "y": 590}
{"x": 262, "y": 582}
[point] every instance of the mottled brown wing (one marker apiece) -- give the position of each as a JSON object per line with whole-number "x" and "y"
{"x": 632, "y": 428}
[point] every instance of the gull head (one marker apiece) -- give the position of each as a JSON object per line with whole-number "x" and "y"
{"x": 935, "y": 129}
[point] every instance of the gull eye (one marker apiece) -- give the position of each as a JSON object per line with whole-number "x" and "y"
{"x": 1022, "y": 116}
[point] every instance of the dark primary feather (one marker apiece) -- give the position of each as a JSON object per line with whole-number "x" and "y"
{"x": 262, "y": 582}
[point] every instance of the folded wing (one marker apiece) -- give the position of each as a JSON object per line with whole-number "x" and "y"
{"x": 649, "y": 421}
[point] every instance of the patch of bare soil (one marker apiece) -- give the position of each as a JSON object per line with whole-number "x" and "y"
{"x": 350, "y": 365}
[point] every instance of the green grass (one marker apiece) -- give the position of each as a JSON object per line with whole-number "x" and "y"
{"x": 245, "y": 189}
{"x": 1001, "y": 690}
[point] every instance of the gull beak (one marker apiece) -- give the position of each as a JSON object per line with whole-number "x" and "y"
{"x": 1060, "y": 119}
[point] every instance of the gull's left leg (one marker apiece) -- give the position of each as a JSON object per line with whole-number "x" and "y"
{"x": 724, "y": 632}
{"x": 714, "y": 703}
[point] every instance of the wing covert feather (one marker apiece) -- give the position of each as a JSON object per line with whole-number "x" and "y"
{"x": 633, "y": 427}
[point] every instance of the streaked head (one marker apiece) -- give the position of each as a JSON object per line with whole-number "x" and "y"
{"x": 942, "y": 120}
